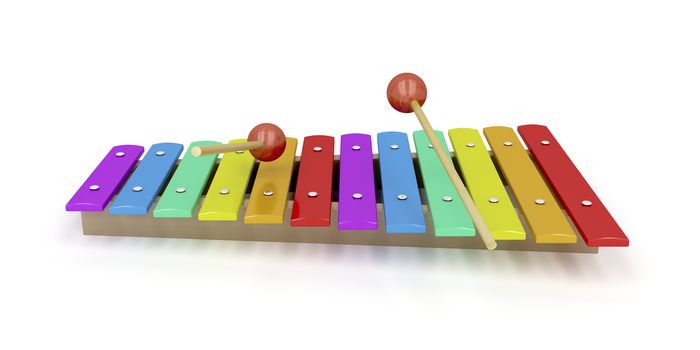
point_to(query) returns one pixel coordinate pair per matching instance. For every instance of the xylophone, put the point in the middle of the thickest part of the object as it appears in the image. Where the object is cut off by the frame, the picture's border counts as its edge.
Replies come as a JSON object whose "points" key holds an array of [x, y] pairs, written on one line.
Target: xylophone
{"points": [[523, 199]]}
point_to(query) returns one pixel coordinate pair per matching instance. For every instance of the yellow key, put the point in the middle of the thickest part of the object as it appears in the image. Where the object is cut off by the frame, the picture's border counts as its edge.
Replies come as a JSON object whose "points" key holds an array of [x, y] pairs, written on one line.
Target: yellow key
{"points": [[485, 185], [268, 199], [537, 203], [227, 189]]}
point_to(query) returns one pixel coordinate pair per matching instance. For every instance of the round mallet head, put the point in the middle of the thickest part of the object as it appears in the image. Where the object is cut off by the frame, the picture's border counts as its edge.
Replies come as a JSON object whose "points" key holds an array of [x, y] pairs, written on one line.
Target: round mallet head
{"points": [[273, 139], [405, 88]]}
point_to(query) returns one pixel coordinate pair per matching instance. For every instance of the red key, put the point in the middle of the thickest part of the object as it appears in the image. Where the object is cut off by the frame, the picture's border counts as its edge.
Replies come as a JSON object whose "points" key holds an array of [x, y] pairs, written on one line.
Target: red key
{"points": [[594, 222], [312, 198]]}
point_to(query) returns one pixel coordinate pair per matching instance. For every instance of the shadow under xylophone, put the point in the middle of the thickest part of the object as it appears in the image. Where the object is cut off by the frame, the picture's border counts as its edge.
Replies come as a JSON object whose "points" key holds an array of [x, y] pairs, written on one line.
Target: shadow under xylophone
{"points": [[533, 199]]}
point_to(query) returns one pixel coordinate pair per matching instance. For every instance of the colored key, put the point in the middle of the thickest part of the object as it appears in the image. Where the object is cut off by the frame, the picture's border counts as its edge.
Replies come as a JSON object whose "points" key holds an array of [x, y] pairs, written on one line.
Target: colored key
{"points": [[403, 211], [312, 198], [186, 186], [450, 218], [541, 210], [357, 204], [227, 190], [145, 183], [106, 179], [485, 185], [268, 199], [594, 222]]}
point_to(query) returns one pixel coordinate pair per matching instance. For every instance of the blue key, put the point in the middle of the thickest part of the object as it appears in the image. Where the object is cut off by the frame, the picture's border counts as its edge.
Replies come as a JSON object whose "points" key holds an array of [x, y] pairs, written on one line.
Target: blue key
{"points": [[139, 192], [403, 212]]}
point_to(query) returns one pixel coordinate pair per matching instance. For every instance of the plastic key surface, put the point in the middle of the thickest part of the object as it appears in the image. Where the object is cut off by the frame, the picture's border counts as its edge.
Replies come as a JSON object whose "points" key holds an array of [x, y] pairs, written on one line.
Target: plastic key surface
{"points": [[537, 203], [485, 186], [450, 217], [105, 180], [403, 211], [227, 190], [594, 222], [185, 188], [268, 199], [312, 197], [357, 203], [145, 183]]}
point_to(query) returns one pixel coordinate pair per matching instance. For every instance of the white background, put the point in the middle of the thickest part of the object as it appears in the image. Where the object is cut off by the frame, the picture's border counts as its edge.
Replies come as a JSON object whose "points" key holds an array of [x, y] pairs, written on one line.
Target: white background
{"points": [[616, 81]]}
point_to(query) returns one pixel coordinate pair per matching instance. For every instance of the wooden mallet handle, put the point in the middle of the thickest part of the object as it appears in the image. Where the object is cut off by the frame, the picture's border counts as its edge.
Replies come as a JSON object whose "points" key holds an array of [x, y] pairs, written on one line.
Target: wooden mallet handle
{"points": [[266, 142], [407, 93], [224, 148], [446, 161]]}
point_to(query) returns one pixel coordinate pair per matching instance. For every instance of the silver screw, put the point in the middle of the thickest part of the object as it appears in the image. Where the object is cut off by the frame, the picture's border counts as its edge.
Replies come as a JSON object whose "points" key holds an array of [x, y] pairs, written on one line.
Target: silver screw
{"points": [[402, 197], [312, 194], [470, 145], [318, 149], [224, 191], [508, 143], [545, 142], [239, 152], [160, 153], [430, 145], [120, 154], [180, 190], [394, 146], [94, 187], [493, 200], [356, 148], [357, 195], [137, 188], [446, 199], [268, 193], [539, 201], [586, 203]]}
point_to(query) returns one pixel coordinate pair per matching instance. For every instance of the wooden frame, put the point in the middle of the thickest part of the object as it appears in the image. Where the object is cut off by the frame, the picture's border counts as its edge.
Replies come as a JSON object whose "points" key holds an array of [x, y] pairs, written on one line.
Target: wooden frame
{"points": [[102, 223]]}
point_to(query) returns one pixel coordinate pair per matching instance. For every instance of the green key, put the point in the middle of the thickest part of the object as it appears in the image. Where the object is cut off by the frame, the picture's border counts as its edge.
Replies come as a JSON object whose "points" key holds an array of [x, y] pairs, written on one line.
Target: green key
{"points": [[450, 217], [185, 188]]}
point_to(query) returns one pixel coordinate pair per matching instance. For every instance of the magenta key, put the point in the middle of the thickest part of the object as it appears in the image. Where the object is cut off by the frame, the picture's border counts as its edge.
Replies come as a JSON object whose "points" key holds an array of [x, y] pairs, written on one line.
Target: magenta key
{"points": [[106, 179], [357, 204]]}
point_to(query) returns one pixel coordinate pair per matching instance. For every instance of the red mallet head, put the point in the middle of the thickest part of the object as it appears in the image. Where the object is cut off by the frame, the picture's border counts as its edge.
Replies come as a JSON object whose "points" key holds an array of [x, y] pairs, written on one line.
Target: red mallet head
{"points": [[273, 138], [405, 88]]}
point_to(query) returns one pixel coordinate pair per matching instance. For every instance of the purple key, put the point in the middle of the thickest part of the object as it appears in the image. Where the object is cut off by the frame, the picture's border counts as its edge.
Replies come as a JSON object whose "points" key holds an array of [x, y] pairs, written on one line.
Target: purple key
{"points": [[357, 205], [106, 179]]}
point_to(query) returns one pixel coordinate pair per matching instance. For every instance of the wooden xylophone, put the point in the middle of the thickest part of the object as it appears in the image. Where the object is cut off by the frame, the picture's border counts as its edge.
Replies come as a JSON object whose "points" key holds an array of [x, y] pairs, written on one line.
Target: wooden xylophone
{"points": [[530, 199]]}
